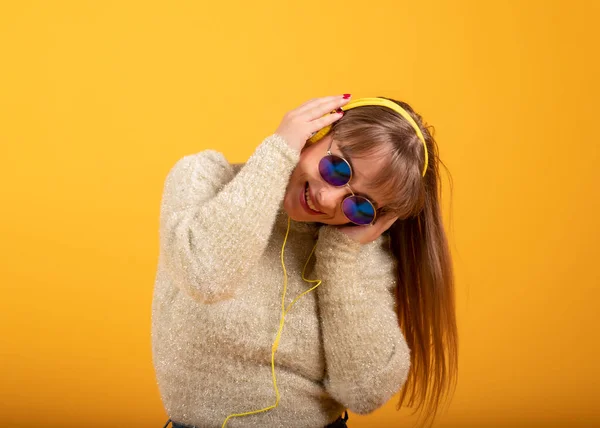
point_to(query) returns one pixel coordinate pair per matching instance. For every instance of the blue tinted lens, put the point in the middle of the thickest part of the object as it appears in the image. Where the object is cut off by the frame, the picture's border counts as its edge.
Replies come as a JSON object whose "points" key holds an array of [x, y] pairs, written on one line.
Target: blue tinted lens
{"points": [[359, 210], [335, 170]]}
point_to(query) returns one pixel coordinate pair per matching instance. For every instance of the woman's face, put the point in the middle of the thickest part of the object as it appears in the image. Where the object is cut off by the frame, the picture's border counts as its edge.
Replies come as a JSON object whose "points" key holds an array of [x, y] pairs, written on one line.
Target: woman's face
{"points": [[324, 197]]}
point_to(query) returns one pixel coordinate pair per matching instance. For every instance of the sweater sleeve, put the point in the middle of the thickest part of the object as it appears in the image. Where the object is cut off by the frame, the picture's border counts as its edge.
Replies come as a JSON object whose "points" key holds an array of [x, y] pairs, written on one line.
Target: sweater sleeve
{"points": [[214, 224], [367, 357]]}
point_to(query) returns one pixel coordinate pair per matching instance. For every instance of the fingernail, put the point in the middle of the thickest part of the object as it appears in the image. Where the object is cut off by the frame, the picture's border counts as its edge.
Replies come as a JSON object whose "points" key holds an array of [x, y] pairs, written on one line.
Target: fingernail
{"points": [[346, 96]]}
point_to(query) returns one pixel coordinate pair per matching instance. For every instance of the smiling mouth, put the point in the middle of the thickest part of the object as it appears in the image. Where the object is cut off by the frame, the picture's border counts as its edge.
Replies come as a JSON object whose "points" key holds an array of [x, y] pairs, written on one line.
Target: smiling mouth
{"points": [[309, 203]]}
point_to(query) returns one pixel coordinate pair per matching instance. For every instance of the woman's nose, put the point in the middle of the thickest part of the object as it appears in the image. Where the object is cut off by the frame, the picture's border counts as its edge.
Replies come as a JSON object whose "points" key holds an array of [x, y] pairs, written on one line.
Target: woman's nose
{"points": [[329, 198]]}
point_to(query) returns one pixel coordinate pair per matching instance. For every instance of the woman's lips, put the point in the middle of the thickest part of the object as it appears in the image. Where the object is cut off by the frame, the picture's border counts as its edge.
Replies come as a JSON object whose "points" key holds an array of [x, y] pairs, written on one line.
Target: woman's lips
{"points": [[304, 203]]}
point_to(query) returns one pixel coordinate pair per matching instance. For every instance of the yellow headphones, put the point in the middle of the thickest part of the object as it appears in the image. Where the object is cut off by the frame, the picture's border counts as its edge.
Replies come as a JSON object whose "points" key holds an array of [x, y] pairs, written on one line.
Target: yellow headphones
{"points": [[378, 102], [320, 134]]}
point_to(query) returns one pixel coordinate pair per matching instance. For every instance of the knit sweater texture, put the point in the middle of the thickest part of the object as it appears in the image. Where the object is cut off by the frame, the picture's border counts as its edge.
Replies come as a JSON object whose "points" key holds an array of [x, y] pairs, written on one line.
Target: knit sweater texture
{"points": [[216, 305]]}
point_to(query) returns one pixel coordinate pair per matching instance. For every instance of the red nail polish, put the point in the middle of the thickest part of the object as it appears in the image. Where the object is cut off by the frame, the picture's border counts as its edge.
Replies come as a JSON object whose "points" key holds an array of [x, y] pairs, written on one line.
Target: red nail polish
{"points": [[346, 96]]}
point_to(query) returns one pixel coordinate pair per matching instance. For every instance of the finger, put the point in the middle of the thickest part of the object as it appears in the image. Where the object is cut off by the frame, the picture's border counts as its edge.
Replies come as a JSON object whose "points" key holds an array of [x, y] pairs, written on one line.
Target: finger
{"points": [[323, 121], [314, 102], [305, 103], [322, 106], [302, 107]]}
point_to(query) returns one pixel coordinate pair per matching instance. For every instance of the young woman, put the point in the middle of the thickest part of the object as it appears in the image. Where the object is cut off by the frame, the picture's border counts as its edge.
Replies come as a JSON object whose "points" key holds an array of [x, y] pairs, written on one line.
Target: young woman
{"points": [[315, 278]]}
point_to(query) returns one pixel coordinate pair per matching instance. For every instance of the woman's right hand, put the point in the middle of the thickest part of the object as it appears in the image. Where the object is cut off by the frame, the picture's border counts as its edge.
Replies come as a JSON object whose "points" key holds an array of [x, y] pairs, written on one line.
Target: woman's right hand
{"points": [[298, 125]]}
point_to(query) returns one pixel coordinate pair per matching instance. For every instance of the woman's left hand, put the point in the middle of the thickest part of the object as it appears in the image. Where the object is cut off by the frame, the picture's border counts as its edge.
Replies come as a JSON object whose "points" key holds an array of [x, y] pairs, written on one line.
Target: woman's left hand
{"points": [[366, 234]]}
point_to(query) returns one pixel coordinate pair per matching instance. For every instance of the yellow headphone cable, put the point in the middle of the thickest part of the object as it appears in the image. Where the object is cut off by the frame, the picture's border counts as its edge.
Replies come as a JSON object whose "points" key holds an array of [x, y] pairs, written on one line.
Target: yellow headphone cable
{"points": [[283, 314]]}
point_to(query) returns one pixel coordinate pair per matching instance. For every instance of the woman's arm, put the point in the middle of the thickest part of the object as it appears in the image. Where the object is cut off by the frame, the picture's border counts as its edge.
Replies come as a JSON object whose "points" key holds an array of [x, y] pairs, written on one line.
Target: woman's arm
{"points": [[214, 226], [367, 357]]}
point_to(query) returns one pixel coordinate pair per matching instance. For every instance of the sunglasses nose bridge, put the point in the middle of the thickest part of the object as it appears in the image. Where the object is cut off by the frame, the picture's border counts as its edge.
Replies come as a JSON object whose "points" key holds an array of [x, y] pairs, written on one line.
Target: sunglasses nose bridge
{"points": [[330, 197]]}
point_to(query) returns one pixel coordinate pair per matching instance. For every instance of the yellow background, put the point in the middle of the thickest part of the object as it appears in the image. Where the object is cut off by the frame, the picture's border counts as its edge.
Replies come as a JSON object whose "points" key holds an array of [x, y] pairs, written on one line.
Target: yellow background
{"points": [[99, 99]]}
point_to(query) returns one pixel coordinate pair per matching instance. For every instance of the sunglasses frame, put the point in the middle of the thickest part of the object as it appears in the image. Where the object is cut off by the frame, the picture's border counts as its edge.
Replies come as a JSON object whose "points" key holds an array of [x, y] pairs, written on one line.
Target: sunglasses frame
{"points": [[374, 205]]}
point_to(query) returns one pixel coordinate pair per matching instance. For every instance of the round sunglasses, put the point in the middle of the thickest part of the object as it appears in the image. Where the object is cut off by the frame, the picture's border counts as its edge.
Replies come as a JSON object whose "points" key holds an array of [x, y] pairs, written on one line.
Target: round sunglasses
{"points": [[336, 171]]}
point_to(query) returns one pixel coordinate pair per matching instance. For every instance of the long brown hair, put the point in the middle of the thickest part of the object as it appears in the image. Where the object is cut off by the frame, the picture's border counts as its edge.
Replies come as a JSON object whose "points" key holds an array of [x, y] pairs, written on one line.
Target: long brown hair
{"points": [[425, 287]]}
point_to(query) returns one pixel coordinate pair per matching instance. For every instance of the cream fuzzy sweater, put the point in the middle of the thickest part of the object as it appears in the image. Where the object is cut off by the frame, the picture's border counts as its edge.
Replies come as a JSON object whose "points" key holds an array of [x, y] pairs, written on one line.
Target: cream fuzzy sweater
{"points": [[217, 302]]}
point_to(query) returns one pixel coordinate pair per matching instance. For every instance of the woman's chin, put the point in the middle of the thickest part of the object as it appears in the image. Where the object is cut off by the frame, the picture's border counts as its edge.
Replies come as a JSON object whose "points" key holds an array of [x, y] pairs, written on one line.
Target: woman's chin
{"points": [[291, 211], [294, 215]]}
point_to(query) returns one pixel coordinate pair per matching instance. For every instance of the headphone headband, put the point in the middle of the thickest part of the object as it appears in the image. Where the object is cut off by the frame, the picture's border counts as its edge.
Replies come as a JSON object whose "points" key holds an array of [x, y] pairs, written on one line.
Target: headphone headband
{"points": [[385, 103]]}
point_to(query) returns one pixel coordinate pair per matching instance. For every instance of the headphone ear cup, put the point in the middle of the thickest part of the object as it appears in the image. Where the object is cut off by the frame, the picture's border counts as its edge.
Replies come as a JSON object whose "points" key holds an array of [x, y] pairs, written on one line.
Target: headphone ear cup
{"points": [[319, 135]]}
